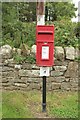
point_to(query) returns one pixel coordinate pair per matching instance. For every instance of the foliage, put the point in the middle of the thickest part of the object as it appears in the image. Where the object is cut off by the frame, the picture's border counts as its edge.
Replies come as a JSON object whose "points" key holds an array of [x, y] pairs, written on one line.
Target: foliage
{"points": [[31, 59], [27, 11], [14, 31], [58, 10], [18, 23], [20, 59], [20, 33], [64, 33], [77, 59], [77, 30], [59, 104], [29, 38]]}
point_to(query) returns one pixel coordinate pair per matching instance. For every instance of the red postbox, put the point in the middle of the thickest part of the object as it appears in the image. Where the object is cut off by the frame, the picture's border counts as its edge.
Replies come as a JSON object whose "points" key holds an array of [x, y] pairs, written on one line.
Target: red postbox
{"points": [[45, 45]]}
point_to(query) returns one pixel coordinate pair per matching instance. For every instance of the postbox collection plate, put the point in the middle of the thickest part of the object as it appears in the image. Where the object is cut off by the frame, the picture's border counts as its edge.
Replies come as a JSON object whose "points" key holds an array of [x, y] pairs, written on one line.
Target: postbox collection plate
{"points": [[45, 53]]}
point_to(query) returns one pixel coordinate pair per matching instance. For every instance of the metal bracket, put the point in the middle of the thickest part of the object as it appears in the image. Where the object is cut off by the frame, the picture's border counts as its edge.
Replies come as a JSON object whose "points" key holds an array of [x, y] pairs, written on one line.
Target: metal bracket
{"points": [[44, 71]]}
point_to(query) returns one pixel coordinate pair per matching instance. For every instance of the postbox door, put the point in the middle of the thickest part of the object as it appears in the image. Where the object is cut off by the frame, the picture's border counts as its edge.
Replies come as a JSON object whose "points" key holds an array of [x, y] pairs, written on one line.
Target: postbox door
{"points": [[45, 54]]}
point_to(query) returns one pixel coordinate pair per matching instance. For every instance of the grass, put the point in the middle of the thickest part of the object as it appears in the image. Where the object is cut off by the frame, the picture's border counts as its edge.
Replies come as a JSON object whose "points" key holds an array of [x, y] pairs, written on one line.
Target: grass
{"points": [[0, 105], [65, 105], [14, 105], [27, 104]]}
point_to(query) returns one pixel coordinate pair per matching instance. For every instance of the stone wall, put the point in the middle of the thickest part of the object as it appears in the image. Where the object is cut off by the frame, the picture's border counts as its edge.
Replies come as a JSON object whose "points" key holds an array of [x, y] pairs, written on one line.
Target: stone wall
{"points": [[25, 76]]}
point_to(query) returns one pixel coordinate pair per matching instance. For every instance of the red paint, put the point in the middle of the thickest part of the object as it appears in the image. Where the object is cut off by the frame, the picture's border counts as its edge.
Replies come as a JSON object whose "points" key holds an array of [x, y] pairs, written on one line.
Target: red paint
{"points": [[44, 39]]}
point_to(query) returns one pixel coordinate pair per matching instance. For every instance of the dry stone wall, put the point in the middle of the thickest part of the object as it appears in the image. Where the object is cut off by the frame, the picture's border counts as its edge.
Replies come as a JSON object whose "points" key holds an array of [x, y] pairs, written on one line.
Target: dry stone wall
{"points": [[25, 76]]}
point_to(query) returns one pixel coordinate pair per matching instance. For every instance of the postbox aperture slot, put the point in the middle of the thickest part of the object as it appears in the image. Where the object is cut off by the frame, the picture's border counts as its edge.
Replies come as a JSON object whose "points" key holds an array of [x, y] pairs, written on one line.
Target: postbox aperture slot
{"points": [[45, 32]]}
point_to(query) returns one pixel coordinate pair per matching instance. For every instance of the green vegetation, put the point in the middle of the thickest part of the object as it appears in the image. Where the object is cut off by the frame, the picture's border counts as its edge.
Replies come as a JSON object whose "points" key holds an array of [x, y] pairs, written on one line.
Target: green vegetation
{"points": [[19, 23], [14, 106], [20, 33], [19, 104], [77, 59], [65, 105], [26, 11], [58, 10], [0, 104], [64, 33], [20, 59]]}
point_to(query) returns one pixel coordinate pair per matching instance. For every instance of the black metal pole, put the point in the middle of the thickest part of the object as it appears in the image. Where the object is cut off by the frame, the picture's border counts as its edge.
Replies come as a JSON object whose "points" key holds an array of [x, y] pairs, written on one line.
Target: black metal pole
{"points": [[44, 95]]}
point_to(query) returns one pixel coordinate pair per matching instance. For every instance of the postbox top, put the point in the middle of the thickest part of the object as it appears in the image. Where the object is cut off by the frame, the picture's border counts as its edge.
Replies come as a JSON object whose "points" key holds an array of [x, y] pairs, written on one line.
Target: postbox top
{"points": [[45, 27], [45, 33]]}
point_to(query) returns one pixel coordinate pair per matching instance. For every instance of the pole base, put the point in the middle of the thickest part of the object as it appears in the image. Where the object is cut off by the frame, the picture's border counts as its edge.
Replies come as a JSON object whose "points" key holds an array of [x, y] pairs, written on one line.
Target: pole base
{"points": [[44, 107]]}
